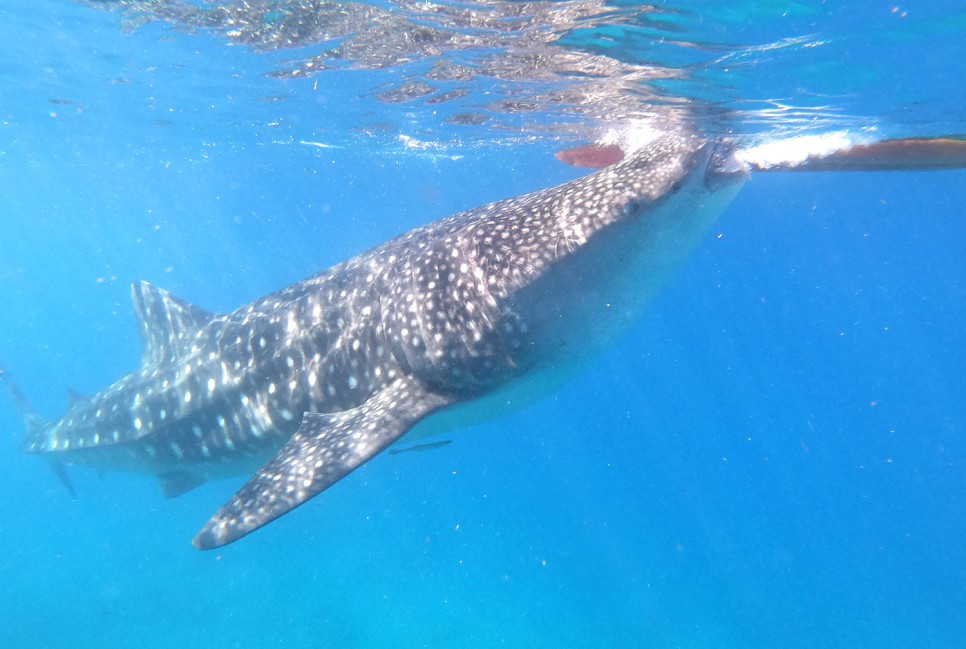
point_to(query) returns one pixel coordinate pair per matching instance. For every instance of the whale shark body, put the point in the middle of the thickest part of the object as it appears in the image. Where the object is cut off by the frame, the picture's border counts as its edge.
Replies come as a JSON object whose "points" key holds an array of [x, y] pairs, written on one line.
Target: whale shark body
{"points": [[437, 328]]}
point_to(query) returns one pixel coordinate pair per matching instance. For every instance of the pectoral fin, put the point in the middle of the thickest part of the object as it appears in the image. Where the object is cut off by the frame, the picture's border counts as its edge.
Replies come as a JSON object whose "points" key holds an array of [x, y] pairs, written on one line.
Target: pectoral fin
{"points": [[178, 482], [325, 449], [61, 472]]}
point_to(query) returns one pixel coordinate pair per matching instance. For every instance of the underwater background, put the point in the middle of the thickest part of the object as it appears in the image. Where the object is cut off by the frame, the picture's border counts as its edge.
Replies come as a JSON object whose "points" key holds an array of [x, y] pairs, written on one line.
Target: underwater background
{"points": [[773, 457]]}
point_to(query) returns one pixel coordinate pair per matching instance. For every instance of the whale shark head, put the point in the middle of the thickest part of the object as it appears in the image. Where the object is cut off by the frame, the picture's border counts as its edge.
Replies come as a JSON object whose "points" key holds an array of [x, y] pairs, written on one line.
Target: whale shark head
{"points": [[611, 240]]}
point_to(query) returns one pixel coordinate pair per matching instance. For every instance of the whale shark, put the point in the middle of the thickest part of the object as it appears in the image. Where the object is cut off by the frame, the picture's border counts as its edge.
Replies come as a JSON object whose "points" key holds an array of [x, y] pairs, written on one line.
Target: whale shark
{"points": [[436, 329]]}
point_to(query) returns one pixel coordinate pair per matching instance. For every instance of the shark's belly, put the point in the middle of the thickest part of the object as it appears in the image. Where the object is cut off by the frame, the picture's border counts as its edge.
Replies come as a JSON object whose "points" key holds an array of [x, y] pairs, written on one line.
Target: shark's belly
{"points": [[586, 301]]}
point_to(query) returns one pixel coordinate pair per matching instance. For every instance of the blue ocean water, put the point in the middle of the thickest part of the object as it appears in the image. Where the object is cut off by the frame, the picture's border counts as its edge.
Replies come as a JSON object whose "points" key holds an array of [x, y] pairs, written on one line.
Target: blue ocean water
{"points": [[773, 457]]}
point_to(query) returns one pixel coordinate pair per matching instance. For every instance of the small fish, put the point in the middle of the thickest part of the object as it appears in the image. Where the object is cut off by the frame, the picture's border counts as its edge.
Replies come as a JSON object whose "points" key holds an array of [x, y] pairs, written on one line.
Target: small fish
{"points": [[419, 448]]}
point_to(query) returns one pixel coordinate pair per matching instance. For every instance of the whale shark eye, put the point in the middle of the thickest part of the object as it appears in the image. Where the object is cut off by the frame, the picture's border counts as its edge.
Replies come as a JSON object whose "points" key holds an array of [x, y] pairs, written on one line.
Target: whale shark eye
{"points": [[676, 186]]}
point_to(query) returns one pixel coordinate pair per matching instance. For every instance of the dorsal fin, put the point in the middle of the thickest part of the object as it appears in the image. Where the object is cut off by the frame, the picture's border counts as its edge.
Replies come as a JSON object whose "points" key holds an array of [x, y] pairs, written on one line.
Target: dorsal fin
{"points": [[75, 398], [168, 325]]}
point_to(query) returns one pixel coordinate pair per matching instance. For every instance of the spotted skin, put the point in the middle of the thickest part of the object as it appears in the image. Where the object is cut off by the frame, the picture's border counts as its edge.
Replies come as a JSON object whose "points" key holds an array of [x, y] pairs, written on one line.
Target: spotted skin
{"points": [[325, 448], [444, 325]]}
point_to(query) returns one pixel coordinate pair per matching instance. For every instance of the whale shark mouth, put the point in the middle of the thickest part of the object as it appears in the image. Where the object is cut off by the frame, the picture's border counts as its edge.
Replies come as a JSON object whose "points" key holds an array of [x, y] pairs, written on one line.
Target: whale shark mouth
{"points": [[725, 166]]}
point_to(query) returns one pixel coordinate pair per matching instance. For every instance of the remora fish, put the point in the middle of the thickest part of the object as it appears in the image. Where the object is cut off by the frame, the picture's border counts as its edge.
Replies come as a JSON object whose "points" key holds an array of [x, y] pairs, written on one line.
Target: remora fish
{"points": [[446, 323], [419, 448]]}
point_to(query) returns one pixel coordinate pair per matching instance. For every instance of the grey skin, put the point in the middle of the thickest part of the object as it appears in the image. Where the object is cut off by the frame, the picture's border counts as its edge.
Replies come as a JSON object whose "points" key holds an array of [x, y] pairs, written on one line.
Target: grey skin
{"points": [[440, 327]]}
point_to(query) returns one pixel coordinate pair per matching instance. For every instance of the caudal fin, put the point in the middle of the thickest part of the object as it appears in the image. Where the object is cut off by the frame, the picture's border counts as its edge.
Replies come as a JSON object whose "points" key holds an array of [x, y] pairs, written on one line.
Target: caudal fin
{"points": [[35, 425]]}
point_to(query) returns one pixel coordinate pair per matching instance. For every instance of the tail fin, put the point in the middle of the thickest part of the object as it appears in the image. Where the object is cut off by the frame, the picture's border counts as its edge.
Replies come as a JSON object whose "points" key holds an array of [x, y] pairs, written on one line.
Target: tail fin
{"points": [[35, 425]]}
